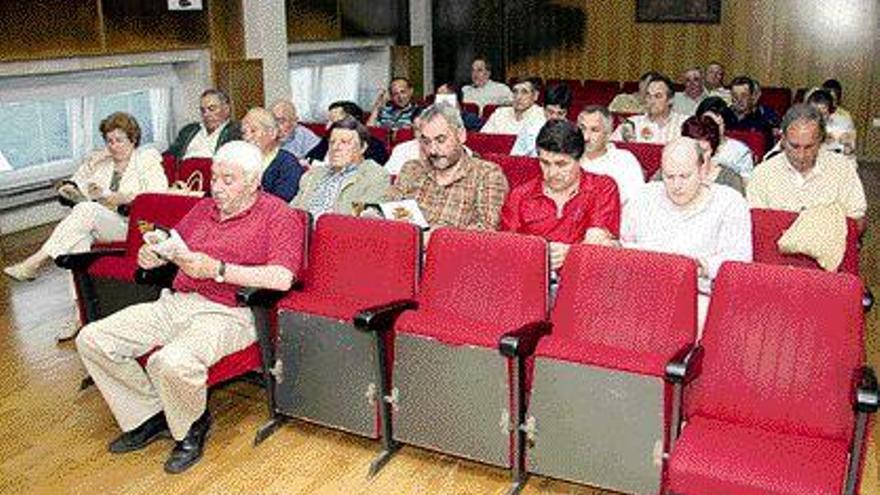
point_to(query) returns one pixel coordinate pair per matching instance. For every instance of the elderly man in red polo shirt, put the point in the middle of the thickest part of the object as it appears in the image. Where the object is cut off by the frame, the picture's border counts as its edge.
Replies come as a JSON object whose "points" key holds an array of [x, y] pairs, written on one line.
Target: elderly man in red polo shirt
{"points": [[238, 237], [566, 205]]}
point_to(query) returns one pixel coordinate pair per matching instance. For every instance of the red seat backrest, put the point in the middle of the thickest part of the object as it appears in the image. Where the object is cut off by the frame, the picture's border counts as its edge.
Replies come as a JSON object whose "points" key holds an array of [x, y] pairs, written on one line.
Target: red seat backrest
{"points": [[649, 155], [162, 209], [191, 166], [402, 135], [637, 301], [769, 225], [484, 143], [619, 117], [495, 278], [751, 138], [781, 347], [169, 165], [629, 87], [471, 108], [489, 110], [382, 134], [363, 259], [517, 169], [779, 99], [602, 85]]}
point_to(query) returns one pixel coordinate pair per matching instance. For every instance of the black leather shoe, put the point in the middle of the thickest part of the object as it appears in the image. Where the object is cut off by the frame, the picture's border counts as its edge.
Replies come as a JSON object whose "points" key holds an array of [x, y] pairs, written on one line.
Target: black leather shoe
{"points": [[188, 451], [140, 437]]}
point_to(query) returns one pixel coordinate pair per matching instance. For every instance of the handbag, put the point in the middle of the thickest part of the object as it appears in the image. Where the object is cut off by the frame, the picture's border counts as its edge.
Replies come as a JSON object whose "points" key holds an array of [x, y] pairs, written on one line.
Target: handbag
{"points": [[193, 186]]}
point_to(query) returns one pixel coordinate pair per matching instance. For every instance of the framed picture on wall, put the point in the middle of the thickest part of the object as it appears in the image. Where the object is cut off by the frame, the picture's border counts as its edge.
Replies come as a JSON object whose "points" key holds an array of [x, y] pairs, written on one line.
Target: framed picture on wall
{"points": [[705, 11]]}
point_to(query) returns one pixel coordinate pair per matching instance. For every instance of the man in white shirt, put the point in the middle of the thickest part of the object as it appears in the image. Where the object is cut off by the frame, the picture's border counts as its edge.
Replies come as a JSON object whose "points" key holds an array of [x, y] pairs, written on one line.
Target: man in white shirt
{"points": [[524, 113], [603, 158], [203, 139], [484, 91], [660, 124], [685, 102], [714, 81], [557, 100]]}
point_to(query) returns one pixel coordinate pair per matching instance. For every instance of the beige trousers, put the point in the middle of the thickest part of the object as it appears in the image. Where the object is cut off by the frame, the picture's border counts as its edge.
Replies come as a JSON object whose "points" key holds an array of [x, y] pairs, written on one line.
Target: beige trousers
{"points": [[194, 332], [87, 222]]}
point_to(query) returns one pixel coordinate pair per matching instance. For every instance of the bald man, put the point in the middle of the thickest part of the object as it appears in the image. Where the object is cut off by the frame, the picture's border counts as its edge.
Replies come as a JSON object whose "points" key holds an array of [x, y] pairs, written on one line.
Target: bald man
{"points": [[296, 139]]}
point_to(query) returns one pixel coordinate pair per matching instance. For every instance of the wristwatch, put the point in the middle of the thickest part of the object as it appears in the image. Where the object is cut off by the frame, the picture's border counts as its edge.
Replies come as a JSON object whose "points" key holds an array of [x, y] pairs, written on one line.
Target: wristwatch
{"points": [[221, 273]]}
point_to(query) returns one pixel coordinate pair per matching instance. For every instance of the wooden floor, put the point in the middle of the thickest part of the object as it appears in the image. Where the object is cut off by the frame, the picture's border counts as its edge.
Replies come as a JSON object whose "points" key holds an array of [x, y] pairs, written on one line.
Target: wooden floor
{"points": [[53, 438]]}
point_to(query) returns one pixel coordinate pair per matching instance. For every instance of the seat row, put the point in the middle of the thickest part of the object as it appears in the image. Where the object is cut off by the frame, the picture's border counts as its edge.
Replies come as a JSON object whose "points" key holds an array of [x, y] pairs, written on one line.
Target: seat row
{"points": [[608, 388]]}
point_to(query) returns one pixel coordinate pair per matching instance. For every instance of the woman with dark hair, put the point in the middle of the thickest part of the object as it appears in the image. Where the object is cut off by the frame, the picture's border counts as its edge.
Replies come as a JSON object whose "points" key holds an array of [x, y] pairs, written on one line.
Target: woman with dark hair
{"points": [[707, 132], [731, 153], [107, 179]]}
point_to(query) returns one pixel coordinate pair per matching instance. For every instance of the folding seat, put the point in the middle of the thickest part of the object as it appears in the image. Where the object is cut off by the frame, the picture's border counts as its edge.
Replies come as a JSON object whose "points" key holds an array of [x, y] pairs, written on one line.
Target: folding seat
{"points": [[488, 110], [196, 167], [600, 405], [402, 135], [483, 143], [450, 386], [382, 134], [629, 87], [648, 154], [768, 227], [602, 85], [470, 108], [753, 139], [777, 98], [517, 169], [326, 371], [105, 276], [251, 358], [781, 405], [169, 165], [619, 117]]}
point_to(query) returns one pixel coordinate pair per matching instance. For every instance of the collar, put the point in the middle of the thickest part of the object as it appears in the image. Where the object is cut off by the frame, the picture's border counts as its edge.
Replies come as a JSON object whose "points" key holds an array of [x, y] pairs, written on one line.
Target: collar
{"points": [[218, 129], [537, 190], [687, 213], [817, 170]]}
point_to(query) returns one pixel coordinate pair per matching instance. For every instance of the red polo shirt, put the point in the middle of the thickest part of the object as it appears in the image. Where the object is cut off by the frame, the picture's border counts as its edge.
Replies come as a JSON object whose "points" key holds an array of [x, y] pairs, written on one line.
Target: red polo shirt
{"points": [[267, 233], [596, 204]]}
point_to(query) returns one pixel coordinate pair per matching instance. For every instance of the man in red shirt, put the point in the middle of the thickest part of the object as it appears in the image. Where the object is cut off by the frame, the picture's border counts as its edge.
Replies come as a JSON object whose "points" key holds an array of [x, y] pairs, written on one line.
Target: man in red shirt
{"points": [[238, 237], [566, 205]]}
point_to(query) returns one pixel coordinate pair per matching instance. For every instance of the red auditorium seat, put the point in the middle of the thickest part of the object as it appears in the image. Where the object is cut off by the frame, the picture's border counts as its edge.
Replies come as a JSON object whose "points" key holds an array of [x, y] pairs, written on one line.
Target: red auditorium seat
{"points": [[354, 263], [629, 87], [196, 166], [451, 387], [779, 99], [105, 277], [753, 139], [484, 143], [619, 117], [471, 108], [600, 401], [169, 165], [772, 411], [250, 358], [382, 134], [517, 169], [402, 135], [769, 225], [648, 154], [489, 110]]}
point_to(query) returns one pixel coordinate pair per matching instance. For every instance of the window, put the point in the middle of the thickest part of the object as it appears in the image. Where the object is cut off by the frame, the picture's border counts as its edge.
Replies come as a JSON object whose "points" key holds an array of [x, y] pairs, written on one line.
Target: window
{"points": [[48, 123], [315, 88]]}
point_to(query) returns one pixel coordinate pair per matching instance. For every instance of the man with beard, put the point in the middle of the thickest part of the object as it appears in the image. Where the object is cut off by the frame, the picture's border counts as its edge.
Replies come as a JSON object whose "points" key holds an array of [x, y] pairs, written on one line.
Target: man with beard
{"points": [[565, 205], [451, 188]]}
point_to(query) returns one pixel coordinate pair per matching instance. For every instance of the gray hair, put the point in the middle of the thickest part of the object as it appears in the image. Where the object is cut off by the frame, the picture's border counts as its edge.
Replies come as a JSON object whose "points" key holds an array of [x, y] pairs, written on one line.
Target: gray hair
{"points": [[245, 155], [287, 107], [804, 112], [262, 117], [220, 94], [684, 142], [445, 110], [607, 120]]}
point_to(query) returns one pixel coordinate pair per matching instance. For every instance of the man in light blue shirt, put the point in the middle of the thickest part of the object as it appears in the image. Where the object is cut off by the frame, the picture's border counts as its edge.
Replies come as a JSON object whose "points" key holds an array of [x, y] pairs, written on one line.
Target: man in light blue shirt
{"points": [[294, 138]]}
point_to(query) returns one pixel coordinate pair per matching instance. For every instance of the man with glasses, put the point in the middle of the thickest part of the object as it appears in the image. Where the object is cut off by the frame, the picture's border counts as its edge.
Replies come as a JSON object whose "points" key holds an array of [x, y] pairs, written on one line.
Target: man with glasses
{"points": [[525, 112]]}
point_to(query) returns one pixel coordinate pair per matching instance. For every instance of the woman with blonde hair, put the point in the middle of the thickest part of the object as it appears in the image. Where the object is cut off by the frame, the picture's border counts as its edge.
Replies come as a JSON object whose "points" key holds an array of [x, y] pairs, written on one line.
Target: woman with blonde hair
{"points": [[107, 179]]}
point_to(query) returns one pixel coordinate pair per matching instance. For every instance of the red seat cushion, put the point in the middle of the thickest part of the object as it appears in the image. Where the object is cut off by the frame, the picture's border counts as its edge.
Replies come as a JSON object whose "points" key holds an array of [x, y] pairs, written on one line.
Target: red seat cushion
{"points": [[718, 458], [231, 366]]}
